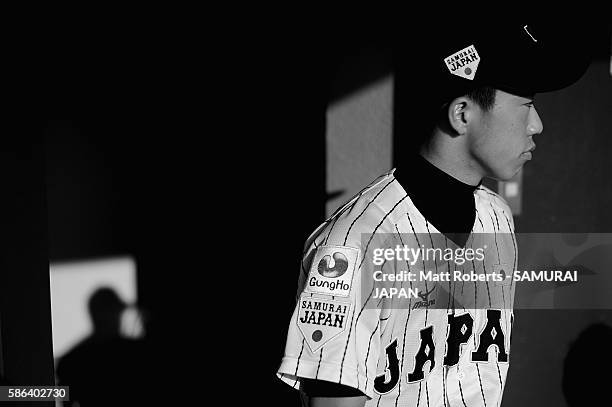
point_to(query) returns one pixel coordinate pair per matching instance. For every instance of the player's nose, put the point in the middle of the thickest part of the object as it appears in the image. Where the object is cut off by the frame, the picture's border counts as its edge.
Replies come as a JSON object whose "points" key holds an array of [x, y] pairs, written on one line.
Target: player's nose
{"points": [[534, 126]]}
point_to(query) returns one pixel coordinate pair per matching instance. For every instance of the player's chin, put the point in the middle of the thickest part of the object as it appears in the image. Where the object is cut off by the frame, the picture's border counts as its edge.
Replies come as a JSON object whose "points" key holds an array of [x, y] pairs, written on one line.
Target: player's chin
{"points": [[506, 173]]}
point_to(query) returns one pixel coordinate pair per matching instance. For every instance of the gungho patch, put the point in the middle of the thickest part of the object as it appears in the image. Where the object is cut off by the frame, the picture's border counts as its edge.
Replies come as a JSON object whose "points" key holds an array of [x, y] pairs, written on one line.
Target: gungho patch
{"points": [[332, 269]]}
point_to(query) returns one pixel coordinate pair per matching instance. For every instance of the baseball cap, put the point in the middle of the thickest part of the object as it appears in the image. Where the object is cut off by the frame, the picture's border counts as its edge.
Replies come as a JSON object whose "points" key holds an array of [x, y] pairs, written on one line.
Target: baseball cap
{"points": [[518, 57]]}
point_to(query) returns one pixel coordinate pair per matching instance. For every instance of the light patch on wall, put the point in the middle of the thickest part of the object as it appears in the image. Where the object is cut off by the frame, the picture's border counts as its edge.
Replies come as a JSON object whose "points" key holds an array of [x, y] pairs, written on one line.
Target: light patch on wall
{"points": [[73, 283], [512, 192], [359, 140], [512, 189]]}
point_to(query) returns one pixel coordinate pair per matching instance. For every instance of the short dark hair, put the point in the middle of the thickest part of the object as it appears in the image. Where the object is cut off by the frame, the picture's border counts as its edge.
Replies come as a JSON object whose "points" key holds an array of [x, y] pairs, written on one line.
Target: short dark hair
{"points": [[483, 96], [431, 111]]}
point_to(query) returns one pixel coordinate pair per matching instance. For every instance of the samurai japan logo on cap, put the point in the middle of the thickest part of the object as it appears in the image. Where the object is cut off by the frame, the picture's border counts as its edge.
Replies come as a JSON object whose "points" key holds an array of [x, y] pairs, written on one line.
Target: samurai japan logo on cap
{"points": [[463, 63]]}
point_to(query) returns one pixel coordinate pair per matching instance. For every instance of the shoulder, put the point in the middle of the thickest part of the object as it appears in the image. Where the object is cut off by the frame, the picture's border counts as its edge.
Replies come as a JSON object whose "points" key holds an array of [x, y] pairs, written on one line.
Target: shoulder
{"points": [[488, 197], [371, 210], [487, 200]]}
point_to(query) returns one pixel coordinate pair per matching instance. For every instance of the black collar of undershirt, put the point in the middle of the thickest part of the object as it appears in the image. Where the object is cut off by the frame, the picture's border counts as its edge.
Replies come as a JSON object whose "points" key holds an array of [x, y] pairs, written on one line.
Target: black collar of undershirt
{"points": [[443, 200]]}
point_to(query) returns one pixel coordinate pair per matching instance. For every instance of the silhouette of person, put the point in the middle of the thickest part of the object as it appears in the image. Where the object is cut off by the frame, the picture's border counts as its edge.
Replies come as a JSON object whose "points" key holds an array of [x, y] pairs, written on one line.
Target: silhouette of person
{"points": [[105, 368], [586, 369]]}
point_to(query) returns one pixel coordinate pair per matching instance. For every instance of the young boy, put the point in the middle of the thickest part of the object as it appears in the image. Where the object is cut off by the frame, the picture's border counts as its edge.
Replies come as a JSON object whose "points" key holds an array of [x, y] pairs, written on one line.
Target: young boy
{"points": [[351, 343]]}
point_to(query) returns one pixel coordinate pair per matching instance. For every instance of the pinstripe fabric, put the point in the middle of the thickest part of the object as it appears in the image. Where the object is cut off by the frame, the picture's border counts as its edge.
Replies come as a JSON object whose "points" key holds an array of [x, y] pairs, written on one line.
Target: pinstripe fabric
{"points": [[364, 351]]}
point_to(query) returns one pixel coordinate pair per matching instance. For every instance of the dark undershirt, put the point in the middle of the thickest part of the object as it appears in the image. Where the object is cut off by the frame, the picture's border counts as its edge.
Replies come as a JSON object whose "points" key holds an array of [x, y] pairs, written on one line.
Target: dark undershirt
{"points": [[443, 200], [446, 203]]}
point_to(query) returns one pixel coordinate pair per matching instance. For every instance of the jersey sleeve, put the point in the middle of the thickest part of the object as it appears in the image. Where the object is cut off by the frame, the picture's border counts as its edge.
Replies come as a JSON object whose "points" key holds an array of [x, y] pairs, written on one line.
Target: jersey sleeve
{"points": [[334, 332]]}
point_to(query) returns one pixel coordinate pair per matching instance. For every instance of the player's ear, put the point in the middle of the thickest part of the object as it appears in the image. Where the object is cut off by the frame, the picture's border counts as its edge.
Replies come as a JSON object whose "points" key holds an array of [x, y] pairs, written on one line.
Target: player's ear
{"points": [[460, 112]]}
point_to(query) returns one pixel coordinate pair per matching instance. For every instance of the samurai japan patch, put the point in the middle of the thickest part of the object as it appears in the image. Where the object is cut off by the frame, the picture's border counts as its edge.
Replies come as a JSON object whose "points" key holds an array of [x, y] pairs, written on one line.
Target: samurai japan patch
{"points": [[321, 320]]}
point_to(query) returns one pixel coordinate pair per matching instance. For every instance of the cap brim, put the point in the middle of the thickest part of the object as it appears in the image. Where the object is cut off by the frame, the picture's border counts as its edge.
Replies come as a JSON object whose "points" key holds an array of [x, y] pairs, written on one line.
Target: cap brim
{"points": [[551, 66]]}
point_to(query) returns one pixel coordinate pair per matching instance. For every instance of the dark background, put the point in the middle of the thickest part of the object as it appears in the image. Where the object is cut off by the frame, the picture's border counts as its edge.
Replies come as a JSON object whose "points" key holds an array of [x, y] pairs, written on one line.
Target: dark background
{"points": [[205, 160]]}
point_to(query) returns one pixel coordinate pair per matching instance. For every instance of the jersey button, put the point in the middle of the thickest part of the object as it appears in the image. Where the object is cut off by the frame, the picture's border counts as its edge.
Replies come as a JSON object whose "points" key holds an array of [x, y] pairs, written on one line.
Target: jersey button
{"points": [[460, 375]]}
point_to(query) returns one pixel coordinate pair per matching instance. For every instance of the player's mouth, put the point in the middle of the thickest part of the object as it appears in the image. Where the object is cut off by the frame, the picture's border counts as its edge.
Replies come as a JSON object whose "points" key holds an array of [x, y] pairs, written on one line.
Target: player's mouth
{"points": [[527, 154]]}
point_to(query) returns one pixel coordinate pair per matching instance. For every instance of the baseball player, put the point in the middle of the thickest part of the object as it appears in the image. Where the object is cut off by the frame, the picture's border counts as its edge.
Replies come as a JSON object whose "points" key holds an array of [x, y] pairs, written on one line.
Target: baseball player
{"points": [[352, 343]]}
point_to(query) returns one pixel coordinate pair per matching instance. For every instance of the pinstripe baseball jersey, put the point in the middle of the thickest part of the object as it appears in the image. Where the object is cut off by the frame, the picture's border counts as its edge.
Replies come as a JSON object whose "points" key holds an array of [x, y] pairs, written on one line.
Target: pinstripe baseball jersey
{"points": [[448, 346]]}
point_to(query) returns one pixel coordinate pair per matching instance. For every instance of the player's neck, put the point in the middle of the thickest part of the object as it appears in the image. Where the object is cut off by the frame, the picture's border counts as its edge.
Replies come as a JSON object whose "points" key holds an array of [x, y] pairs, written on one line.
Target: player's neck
{"points": [[446, 155]]}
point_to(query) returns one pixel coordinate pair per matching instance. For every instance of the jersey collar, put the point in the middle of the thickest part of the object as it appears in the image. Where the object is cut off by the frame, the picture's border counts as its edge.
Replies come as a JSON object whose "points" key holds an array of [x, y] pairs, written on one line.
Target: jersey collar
{"points": [[444, 201]]}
